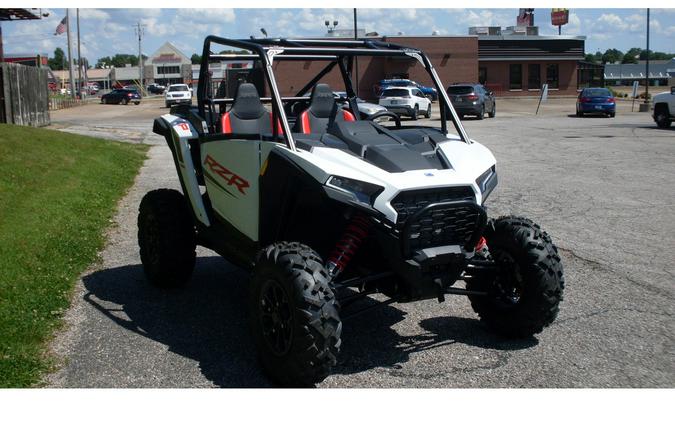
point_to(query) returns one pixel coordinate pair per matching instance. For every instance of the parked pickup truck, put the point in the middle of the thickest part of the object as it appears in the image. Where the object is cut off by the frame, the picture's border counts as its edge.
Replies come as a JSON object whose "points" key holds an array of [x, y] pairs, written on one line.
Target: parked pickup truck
{"points": [[664, 108]]}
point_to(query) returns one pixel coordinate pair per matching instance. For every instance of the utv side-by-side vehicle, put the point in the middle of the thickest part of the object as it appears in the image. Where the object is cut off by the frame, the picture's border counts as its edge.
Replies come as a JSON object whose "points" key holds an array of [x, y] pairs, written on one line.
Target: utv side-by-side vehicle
{"points": [[326, 207]]}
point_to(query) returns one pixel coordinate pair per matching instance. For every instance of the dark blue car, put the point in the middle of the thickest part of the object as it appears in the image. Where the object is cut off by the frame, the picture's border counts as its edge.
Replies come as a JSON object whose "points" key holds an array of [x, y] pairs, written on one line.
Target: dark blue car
{"points": [[596, 101]]}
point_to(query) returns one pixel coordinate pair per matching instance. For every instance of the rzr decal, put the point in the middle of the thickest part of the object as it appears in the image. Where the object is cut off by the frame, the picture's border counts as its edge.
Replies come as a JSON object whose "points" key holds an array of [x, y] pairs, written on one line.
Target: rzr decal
{"points": [[227, 175]]}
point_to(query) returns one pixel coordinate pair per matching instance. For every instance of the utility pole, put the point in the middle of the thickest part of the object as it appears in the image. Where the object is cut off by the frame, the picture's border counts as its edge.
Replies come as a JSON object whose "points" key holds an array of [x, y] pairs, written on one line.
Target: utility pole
{"points": [[79, 57], [647, 63], [70, 57], [139, 32], [356, 59]]}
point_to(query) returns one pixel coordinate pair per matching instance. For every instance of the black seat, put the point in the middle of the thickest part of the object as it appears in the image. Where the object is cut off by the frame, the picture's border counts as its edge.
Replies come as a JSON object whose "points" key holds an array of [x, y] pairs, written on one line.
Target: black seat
{"points": [[247, 116], [322, 111]]}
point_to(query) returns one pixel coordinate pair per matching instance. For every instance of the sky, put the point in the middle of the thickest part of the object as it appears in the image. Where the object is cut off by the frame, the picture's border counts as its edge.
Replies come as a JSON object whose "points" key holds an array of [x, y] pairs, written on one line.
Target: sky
{"points": [[105, 32]]}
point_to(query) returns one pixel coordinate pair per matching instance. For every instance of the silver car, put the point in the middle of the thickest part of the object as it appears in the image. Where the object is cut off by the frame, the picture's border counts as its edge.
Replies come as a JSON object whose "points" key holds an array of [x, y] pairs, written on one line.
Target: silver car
{"points": [[365, 107]]}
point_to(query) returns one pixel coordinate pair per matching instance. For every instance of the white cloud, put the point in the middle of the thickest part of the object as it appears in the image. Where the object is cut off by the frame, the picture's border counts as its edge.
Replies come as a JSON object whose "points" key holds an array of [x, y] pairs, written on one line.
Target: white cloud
{"points": [[204, 16], [95, 14]]}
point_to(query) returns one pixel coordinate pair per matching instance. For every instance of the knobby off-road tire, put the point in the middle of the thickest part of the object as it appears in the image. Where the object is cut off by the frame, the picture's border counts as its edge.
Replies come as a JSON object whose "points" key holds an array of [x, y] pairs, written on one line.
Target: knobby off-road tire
{"points": [[529, 261], [166, 236], [294, 315]]}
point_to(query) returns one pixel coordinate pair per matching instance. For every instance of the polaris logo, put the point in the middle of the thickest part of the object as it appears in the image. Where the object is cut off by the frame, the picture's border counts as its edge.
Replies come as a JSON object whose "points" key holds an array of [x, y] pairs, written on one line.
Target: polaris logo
{"points": [[230, 177], [428, 174]]}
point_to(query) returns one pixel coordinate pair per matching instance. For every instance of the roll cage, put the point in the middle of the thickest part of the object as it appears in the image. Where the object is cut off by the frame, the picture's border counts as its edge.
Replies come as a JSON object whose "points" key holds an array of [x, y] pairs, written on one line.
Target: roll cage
{"points": [[340, 53]]}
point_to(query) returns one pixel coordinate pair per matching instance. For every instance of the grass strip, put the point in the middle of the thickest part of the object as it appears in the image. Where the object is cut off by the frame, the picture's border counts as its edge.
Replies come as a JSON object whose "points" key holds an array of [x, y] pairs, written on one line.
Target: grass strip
{"points": [[58, 194]]}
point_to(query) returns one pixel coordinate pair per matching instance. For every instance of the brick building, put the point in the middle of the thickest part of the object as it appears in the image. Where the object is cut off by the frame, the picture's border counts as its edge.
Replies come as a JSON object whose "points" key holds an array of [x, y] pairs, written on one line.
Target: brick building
{"points": [[518, 65], [454, 57]]}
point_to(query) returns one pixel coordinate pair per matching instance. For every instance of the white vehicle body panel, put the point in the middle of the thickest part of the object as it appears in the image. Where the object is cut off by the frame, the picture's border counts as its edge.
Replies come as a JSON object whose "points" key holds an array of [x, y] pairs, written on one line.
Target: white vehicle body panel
{"points": [[231, 170], [667, 98], [467, 162], [181, 132]]}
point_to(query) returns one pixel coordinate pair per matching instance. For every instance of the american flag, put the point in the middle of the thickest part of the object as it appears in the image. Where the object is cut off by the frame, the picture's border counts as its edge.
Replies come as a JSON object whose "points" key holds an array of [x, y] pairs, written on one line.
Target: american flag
{"points": [[62, 26]]}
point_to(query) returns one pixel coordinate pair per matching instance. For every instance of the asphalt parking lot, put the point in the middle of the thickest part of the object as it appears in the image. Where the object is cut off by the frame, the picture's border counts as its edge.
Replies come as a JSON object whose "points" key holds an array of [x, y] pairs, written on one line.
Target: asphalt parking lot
{"points": [[601, 187]]}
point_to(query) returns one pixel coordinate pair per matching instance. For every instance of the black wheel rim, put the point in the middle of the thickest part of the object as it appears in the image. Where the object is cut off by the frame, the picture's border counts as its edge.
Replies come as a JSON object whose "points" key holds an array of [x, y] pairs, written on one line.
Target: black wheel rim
{"points": [[509, 281], [276, 317]]}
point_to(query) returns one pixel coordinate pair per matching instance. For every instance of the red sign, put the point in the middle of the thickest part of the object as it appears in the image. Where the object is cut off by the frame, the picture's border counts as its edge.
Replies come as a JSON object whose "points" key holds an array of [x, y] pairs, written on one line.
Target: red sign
{"points": [[560, 17]]}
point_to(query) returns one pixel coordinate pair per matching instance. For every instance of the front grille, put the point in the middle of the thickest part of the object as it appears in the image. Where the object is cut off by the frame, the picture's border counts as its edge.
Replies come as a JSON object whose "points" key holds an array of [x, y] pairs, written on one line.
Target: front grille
{"points": [[451, 224]]}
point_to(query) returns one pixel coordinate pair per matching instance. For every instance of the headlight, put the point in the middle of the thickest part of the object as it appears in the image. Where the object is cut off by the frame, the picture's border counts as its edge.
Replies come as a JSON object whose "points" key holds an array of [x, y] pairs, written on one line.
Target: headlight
{"points": [[487, 182], [359, 191]]}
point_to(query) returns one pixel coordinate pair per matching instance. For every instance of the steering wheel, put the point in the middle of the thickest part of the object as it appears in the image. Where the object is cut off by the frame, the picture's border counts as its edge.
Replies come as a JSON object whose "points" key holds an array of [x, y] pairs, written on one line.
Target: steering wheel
{"points": [[382, 113]]}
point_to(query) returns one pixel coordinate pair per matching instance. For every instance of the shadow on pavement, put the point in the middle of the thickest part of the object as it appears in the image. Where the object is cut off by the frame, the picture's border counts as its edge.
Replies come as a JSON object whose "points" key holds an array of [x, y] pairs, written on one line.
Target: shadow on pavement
{"points": [[207, 321], [369, 341]]}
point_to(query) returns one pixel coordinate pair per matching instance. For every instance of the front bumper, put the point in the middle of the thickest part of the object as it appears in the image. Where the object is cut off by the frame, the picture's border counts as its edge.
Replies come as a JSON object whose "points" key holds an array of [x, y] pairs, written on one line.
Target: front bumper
{"points": [[178, 100], [430, 248]]}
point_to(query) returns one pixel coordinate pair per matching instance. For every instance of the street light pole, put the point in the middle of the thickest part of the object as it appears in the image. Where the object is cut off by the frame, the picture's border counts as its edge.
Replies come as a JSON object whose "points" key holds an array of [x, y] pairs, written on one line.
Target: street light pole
{"points": [[70, 57], [647, 67], [356, 59], [79, 56]]}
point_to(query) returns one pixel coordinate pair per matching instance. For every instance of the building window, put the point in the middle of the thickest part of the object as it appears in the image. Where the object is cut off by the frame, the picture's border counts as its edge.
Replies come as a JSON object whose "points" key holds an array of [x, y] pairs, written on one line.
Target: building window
{"points": [[516, 76], [482, 75], [165, 70], [552, 76], [533, 76]]}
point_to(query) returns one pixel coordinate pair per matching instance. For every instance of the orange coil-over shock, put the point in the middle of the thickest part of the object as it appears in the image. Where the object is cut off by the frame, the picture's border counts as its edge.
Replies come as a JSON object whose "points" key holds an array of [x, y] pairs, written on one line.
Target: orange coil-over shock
{"points": [[349, 243]]}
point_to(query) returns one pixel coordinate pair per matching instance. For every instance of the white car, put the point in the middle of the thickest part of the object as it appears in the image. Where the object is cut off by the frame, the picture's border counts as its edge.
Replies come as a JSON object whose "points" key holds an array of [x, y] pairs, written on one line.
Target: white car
{"points": [[177, 93], [664, 108], [406, 100]]}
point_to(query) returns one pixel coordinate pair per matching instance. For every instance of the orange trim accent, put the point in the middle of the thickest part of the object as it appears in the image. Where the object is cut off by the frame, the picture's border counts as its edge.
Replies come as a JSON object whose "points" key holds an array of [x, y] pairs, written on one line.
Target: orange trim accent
{"points": [[348, 116], [225, 123], [280, 129], [304, 122]]}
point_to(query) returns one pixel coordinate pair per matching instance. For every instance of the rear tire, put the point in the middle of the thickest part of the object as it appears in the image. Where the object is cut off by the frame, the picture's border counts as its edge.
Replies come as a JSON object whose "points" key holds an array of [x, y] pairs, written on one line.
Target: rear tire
{"points": [[166, 236], [662, 118], [294, 315], [525, 296], [428, 113], [481, 113], [493, 112], [415, 112]]}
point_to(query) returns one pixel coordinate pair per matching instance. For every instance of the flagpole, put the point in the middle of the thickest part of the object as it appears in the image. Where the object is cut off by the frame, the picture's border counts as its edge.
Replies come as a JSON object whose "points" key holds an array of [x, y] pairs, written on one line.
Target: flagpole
{"points": [[79, 57], [70, 57]]}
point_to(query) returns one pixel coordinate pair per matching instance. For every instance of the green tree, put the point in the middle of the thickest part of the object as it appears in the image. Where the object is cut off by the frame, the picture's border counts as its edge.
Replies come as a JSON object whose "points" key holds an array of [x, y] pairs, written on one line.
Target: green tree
{"points": [[628, 59], [196, 58], [119, 60], [590, 58], [612, 55], [58, 61], [632, 52]]}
